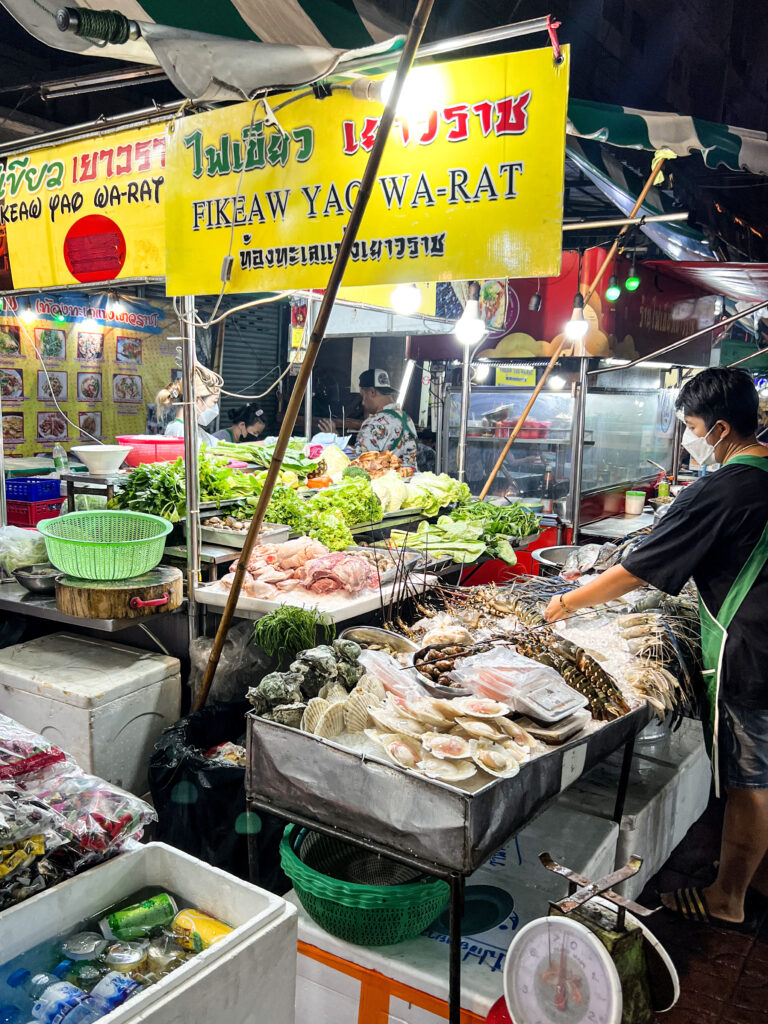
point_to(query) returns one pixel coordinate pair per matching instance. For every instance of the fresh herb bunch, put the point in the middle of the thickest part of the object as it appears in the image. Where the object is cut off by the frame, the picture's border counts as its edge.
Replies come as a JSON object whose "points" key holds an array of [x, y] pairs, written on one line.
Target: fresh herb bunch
{"points": [[513, 520], [261, 455], [286, 631]]}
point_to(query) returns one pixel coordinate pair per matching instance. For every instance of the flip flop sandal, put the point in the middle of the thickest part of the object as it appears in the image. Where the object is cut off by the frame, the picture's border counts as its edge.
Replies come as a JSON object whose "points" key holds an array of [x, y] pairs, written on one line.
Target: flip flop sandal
{"points": [[691, 904]]}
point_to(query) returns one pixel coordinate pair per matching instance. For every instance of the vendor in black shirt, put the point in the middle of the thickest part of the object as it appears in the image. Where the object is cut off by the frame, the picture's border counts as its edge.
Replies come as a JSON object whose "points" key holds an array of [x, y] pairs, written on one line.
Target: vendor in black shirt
{"points": [[716, 531]]}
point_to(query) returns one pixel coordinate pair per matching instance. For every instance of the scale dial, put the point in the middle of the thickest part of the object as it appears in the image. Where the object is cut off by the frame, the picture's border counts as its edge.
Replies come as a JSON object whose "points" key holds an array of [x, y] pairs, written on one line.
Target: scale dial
{"points": [[558, 972]]}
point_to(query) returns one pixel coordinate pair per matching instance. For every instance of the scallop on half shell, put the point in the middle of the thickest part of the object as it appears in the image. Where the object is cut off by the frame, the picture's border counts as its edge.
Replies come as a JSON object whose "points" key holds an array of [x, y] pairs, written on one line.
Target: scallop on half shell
{"points": [[311, 716], [447, 771], [390, 721], [446, 745], [356, 715], [516, 732], [333, 693], [425, 710], [331, 722], [480, 729], [404, 750], [494, 759], [370, 684], [477, 707]]}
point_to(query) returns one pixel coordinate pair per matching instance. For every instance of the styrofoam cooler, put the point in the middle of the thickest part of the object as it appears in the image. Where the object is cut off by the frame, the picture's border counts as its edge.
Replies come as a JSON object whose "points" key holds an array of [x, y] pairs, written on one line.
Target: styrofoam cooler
{"points": [[408, 982], [102, 702], [668, 791], [248, 975]]}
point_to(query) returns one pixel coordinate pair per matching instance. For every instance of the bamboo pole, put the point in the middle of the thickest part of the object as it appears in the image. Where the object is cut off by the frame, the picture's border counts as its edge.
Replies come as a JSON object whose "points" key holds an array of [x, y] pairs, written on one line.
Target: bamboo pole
{"points": [[415, 32], [558, 351]]}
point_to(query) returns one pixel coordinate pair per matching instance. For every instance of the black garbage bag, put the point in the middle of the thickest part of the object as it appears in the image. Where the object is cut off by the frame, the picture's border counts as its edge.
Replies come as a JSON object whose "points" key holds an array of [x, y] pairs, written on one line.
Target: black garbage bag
{"points": [[200, 802]]}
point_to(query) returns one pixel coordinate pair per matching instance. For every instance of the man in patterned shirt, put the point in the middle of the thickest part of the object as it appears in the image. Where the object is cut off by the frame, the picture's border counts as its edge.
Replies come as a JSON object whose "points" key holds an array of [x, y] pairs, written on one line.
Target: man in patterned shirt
{"points": [[386, 428]]}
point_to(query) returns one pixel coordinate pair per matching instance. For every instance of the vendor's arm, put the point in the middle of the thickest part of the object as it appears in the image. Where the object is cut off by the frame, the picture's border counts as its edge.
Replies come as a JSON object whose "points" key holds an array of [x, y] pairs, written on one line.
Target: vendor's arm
{"points": [[611, 584]]}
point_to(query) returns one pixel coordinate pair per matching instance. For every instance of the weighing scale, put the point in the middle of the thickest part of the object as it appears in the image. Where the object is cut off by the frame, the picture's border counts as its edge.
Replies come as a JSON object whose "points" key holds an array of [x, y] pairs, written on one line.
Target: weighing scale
{"points": [[591, 960]]}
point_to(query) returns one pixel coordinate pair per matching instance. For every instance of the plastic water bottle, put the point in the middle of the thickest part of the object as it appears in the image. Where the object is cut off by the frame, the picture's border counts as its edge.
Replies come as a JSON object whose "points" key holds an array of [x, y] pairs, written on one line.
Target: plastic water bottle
{"points": [[60, 459], [54, 1001], [112, 991]]}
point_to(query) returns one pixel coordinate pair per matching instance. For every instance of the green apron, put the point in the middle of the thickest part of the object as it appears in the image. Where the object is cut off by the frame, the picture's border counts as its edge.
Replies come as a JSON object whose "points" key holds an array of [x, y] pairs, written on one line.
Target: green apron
{"points": [[714, 631], [402, 419]]}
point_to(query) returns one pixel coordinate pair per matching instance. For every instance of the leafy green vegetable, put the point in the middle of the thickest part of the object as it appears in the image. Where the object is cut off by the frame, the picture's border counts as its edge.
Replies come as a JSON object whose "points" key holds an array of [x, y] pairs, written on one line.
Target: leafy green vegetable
{"points": [[286, 631], [261, 455], [431, 492], [391, 490], [352, 471], [444, 539], [353, 501], [511, 520], [328, 528]]}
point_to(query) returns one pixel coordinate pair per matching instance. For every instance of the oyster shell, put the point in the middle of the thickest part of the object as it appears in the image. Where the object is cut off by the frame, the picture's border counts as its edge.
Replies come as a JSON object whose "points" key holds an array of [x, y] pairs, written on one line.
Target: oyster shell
{"points": [[288, 714], [446, 745], [493, 759], [404, 750], [347, 650], [333, 693], [356, 711], [258, 700], [280, 688], [331, 722], [315, 708], [349, 674], [477, 707], [447, 771], [390, 721], [480, 729]]}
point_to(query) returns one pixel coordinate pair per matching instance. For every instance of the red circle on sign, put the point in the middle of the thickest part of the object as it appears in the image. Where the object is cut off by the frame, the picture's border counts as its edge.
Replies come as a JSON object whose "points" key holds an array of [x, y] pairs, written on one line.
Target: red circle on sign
{"points": [[94, 249]]}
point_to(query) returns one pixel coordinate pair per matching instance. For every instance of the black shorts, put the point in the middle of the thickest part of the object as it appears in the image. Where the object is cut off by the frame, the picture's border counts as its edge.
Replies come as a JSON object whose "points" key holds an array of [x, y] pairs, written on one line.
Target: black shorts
{"points": [[742, 746]]}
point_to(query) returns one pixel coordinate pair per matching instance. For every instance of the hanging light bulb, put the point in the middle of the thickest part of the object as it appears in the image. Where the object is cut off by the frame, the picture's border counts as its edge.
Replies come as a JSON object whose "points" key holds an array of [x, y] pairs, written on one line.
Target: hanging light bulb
{"points": [[633, 281], [480, 372], [470, 328], [28, 314], [577, 326], [613, 291], [556, 382], [405, 299]]}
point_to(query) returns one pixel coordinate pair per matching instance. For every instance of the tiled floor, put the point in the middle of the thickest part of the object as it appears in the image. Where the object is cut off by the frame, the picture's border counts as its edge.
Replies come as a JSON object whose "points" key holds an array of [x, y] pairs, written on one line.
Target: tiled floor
{"points": [[723, 974]]}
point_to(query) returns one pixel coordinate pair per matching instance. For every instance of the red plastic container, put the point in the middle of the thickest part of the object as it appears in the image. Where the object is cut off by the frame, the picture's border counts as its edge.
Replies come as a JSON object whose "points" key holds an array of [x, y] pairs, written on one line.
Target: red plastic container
{"points": [[151, 448], [30, 513]]}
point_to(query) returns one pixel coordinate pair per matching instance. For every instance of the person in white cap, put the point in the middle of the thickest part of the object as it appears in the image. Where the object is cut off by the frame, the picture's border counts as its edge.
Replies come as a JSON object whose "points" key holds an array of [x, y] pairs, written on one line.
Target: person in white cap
{"points": [[386, 427]]}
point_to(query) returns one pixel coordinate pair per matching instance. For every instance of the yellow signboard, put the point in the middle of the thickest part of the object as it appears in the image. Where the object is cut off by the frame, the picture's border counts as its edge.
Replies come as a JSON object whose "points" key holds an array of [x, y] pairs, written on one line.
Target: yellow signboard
{"points": [[470, 186], [519, 378], [91, 210]]}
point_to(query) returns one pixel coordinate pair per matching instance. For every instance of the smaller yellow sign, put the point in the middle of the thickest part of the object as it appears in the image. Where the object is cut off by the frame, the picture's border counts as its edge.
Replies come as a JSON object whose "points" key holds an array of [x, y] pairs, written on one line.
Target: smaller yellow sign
{"points": [[524, 377]]}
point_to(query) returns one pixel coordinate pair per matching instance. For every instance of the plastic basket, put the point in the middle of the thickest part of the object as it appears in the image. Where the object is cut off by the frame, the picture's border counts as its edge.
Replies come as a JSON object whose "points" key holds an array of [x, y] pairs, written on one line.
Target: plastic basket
{"points": [[105, 545], [33, 488], [151, 448], [30, 513], [356, 895]]}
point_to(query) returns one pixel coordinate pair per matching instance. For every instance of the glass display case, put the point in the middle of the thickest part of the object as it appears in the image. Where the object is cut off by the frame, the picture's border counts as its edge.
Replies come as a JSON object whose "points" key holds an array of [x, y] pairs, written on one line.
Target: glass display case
{"points": [[544, 441]]}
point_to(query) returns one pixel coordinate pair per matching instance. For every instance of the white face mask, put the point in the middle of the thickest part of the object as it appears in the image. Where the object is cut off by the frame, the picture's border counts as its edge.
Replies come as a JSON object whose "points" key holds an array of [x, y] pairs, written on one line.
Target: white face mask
{"points": [[208, 415], [699, 448]]}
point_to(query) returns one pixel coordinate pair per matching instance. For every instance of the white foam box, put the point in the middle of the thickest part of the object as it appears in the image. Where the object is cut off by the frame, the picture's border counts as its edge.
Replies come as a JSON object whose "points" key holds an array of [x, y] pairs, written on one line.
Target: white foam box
{"points": [[248, 975], [668, 791], [102, 702], [339, 983]]}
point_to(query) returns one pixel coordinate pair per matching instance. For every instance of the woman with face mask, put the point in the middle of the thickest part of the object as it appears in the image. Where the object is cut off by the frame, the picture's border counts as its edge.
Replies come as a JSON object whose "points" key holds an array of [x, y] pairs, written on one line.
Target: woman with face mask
{"points": [[207, 388], [716, 531], [247, 425]]}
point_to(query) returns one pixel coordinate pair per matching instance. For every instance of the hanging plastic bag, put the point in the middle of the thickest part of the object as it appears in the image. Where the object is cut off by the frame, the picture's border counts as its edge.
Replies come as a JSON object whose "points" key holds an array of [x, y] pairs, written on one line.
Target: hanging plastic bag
{"points": [[20, 547]]}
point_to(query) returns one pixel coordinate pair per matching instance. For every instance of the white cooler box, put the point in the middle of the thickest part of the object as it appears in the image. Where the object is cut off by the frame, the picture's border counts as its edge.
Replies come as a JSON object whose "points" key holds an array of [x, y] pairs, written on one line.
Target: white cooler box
{"points": [[102, 702], [338, 983], [248, 976]]}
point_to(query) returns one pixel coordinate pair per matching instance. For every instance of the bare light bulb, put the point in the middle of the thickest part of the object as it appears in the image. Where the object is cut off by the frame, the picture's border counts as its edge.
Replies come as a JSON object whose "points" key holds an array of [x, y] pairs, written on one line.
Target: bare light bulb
{"points": [[470, 328], [422, 93], [28, 315], [557, 383], [406, 299]]}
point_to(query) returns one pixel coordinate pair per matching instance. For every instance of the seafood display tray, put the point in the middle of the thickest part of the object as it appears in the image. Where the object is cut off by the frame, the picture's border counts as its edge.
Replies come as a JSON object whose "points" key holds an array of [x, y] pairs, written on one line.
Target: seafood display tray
{"points": [[271, 533], [338, 609], [402, 562], [453, 830]]}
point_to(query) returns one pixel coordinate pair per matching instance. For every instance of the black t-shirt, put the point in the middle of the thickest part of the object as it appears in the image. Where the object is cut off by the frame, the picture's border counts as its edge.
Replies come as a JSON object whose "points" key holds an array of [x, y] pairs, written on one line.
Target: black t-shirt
{"points": [[709, 533]]}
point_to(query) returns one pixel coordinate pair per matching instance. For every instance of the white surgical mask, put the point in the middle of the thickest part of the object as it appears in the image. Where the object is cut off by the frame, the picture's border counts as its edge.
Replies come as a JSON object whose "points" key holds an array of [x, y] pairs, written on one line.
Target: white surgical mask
{"points": [[208, 415], [699, 448]]}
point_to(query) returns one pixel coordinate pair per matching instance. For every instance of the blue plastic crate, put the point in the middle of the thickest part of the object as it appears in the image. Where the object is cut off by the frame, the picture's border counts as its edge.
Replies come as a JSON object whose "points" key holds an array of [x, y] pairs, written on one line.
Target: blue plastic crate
{"points": [[32, 488]]}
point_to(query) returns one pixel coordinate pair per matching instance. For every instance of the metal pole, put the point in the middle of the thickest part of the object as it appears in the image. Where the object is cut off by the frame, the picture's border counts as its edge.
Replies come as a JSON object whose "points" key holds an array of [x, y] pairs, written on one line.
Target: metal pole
{"points": [[677, 438], [191, 457], [3, 507], [415, 32], [661, 218], [466, 384], [685, 341], [456, 913], [438, 413], [577, 447]]}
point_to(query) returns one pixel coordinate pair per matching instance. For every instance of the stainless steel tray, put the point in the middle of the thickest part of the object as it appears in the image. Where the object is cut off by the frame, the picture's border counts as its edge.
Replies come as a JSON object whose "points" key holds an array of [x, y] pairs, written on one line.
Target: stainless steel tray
{"points": [[452, 829], [271, 533]]}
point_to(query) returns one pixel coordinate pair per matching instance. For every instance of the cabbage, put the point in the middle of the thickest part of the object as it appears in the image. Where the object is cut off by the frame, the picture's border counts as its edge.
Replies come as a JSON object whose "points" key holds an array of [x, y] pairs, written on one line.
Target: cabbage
{"points": [[391, 490], [431, 492], [335, 461]]}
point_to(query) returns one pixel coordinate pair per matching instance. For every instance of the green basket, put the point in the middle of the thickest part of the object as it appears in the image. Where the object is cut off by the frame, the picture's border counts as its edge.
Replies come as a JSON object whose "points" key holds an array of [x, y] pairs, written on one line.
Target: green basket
{"points": [[105, 545], [357, 895]]}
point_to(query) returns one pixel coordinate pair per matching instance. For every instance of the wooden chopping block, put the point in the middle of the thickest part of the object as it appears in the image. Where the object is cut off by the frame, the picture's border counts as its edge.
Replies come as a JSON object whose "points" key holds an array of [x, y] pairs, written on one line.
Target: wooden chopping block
{"points": [[153, 593]]}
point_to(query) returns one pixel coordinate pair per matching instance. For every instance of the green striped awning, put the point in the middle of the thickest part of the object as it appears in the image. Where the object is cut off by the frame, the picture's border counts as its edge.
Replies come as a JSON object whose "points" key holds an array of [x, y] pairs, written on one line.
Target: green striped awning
{"points": [[739, 149]]}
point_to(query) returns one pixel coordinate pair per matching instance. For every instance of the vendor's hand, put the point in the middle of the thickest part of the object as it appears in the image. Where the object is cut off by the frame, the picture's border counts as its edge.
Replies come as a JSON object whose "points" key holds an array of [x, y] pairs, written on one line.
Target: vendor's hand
{"points": [[327, 426], [555, 610]]}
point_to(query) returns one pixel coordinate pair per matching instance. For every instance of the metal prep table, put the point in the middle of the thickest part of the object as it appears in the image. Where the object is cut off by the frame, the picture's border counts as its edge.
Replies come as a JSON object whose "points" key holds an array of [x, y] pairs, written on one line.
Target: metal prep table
{"points": [[436, 828], [617, 527]]}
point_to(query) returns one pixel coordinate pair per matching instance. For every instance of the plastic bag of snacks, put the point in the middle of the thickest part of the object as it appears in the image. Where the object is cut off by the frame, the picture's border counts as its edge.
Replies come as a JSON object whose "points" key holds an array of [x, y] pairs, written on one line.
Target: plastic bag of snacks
{"points": [[23, 751]]}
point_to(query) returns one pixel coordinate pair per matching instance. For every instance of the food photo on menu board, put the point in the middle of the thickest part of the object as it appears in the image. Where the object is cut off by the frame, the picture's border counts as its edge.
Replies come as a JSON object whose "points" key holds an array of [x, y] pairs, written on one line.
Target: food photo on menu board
{"points": [[90, 345], [51, 344], [11, 384], [51, 426], [90, 424], [128, 350], [52, 385], [10, 341], [13, 426], [89, 387], [126, 387]]}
